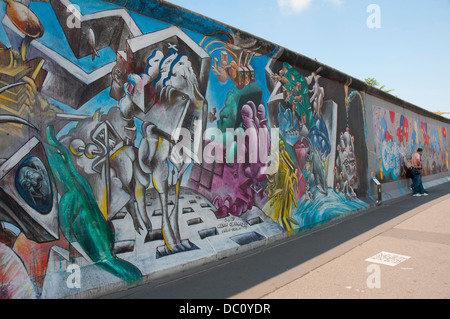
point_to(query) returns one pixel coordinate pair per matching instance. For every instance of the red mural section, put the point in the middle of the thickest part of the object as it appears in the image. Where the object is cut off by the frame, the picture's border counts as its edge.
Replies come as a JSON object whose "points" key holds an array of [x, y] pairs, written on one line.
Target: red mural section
{"points": [[393, 151]]}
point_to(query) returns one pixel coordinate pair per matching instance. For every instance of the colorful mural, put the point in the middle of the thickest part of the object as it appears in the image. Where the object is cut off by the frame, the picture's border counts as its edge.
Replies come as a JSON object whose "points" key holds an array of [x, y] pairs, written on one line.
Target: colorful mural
{"points": [[131, 144], [397, 137]]}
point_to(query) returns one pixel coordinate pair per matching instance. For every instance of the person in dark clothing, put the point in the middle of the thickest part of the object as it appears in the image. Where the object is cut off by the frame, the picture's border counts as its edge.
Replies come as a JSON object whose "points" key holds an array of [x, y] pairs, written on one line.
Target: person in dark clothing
{"points": [[417, 161]]}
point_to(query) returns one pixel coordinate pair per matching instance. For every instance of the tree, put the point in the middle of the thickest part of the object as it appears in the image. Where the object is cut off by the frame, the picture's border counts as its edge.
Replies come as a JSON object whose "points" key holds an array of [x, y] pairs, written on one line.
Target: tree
{"points": [[373, 82]]}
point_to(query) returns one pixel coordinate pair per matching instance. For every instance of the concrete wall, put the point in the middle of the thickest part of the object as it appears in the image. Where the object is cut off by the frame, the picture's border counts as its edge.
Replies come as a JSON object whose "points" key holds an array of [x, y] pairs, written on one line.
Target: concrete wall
{"points": [[98, 193]]}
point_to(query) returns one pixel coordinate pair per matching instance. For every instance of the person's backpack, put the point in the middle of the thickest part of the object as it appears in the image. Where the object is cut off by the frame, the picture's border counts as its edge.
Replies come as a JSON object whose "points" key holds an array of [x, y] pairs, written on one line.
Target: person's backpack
{"points": [[408, 163]]}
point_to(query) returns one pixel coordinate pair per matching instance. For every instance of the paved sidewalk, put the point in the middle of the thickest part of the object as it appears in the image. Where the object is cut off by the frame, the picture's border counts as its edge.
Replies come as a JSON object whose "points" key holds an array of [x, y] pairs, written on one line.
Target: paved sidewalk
{"points": [[420, 236], [331, 262]]}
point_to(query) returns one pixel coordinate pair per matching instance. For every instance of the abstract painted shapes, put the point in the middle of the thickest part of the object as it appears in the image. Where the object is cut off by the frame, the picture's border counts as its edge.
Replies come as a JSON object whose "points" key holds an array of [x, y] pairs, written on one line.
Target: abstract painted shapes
{"points": [[194, 221], [390, 159], [14, 279], [62, 69], [87, 34], [239, 69], [24, 19], [208, 232], [33, 183], [230, 115], [247, 238], [173, 45], [36, 257], [203, 174], [163, 251], [345, 170], [58, 260], [29, 195], [199, 225]]}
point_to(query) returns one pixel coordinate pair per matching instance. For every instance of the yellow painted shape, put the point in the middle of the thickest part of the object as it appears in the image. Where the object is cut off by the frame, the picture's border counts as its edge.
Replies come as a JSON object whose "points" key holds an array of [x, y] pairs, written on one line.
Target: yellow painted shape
{"points": [[138, 193], [165, 240], [104, 204], [159, 143], [417, 132], [154, 183], [116, 153]]}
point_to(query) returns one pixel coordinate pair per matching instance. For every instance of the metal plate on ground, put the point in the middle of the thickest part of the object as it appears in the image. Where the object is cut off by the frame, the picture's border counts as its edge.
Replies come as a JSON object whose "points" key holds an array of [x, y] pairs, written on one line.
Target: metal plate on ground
{"points": [[386, 258]]}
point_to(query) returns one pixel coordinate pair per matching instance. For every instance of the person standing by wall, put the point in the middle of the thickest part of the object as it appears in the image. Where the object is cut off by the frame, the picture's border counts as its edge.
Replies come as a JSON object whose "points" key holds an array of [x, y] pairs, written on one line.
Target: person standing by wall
{"points": [[417, 161]]}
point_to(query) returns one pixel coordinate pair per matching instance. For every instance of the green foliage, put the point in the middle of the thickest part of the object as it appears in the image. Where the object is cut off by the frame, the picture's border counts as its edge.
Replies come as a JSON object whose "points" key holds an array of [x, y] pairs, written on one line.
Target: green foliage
{"points": [[373, 82]]}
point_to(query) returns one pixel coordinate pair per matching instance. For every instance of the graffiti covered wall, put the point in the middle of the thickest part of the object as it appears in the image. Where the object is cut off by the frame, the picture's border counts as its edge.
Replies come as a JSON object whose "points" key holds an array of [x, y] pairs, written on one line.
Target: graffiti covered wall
{"points": [[398, 136], [134, 144]]}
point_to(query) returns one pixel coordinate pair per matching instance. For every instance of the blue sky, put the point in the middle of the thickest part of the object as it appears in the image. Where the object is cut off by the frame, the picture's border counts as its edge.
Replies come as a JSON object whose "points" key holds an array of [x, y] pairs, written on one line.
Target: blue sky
{"points": [[409, 53]]}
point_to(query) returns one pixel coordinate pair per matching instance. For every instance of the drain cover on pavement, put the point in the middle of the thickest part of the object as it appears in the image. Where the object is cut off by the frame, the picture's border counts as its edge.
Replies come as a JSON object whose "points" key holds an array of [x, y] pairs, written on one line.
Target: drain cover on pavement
{"points": [[386, 258]]}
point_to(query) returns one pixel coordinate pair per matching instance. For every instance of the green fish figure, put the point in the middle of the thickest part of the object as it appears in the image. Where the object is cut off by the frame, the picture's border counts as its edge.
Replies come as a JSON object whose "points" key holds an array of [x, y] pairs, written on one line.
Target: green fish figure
{"points": [[80, 218]]}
